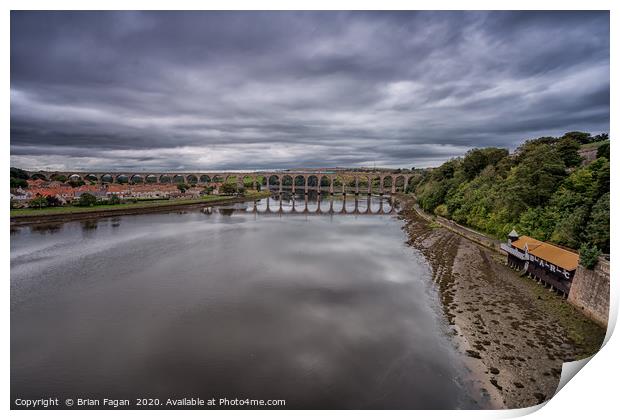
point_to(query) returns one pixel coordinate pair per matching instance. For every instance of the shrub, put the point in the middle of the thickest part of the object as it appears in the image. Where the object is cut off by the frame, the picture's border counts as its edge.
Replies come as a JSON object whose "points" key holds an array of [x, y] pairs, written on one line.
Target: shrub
{"points": [[182, 187], [18, 183], [53, 201], [38, 202], [442, 210], [76, 182], [228, 189], [603, 151], [588, 255], [87, 200]]}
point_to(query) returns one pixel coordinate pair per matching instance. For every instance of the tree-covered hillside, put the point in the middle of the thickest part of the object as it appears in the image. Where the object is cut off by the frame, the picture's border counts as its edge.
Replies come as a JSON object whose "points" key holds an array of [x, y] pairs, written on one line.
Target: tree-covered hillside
{"points": [[543, 190]]}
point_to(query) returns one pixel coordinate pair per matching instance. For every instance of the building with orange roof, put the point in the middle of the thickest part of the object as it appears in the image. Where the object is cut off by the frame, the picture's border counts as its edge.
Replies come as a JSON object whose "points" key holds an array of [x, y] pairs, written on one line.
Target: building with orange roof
{"points": [[545, 262]]}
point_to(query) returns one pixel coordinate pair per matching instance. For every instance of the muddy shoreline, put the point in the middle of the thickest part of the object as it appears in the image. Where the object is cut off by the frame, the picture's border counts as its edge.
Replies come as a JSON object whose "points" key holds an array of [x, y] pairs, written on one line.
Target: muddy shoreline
{"points": [[513, 333]]}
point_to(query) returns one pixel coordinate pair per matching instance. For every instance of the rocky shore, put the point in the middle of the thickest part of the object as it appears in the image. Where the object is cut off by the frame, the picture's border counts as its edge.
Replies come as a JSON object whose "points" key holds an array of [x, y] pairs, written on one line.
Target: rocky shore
{"points": [[514, 333]]}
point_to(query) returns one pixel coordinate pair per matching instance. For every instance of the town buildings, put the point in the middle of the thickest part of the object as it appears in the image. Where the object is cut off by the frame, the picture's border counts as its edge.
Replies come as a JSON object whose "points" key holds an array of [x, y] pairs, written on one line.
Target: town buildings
{"points": [[67, 194]]}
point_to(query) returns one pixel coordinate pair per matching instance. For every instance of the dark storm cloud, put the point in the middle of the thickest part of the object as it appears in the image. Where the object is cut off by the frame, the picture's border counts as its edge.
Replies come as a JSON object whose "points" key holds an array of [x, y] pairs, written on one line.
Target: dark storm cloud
{"points": [[211, 90]]}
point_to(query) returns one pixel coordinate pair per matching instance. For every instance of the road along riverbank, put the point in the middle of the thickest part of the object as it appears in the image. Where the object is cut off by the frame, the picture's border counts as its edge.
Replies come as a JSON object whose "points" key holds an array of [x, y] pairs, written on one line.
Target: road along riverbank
{"points": [[80, 213], [515, 334]]}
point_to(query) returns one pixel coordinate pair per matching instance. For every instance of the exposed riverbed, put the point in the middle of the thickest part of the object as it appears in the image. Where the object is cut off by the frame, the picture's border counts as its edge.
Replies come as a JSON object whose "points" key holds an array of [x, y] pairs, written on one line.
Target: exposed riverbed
{"points": [[516, 333], [328, 310]]}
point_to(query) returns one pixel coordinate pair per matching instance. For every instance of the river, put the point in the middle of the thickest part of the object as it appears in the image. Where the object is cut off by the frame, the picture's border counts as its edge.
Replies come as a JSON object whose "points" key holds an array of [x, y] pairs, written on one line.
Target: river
{"points": [[327, 310]]}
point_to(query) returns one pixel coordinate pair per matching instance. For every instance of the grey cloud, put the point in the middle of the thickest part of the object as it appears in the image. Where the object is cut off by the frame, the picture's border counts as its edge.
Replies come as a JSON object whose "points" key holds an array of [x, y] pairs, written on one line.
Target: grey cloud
{"points": [[216, 90]]}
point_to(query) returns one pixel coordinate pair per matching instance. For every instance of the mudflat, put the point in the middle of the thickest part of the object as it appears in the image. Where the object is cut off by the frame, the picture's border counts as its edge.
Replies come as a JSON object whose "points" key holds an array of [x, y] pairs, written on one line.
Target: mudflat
{"points": [[514, 332]]}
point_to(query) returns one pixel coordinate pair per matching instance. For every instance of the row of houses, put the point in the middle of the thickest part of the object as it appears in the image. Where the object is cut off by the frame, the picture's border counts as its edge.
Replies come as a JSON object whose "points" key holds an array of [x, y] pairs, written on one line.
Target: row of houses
{"points": [[66, 193]]}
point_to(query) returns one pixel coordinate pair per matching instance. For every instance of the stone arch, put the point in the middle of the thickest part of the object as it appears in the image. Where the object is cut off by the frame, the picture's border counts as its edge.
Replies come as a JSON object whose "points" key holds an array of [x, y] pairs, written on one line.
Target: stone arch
{"points": [[121, 179], [400, 183], [58, 177], [38, 176], [217, 179], [349, 182], [249, 181], [150, 179], [325, 183], [231, 179], [165, 179], [136, 179], [75, 177], [191, 179], [299, 181], [273, 180], [287, 182], [107, 178], [313, 182], [362, 183], [375, 184], [339, 184], [178, 178], [387, 183], [91, 178], [204, 179]]}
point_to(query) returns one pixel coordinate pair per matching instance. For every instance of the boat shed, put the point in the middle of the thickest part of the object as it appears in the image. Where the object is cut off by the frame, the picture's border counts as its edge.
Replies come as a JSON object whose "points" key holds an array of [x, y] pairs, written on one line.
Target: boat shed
{"points": [[545, 262]]}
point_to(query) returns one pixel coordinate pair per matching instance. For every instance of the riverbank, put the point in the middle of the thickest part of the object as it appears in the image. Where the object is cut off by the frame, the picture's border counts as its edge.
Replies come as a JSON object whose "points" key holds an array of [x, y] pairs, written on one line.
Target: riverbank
{"points": [[64, 214], [515, 334]]}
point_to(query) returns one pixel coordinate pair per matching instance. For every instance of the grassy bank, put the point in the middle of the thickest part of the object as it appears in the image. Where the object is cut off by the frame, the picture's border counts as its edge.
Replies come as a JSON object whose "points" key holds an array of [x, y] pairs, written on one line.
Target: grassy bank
{"points": [[594, 145], [69, 210]]}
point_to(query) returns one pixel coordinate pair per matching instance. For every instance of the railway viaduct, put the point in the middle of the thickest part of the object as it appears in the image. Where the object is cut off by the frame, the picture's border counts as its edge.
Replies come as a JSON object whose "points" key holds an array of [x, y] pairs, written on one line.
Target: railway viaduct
{"points": [[334, 182]]}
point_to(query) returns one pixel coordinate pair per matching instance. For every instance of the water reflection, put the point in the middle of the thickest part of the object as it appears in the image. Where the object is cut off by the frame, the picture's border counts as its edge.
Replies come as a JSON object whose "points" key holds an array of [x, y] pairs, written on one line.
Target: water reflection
{"points": [[89, 224], [320, 205], [46, 228], [325, 312]]}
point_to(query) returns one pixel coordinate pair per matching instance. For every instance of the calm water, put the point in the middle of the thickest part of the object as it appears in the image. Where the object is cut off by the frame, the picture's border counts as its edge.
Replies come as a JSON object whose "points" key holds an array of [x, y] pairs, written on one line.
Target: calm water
{"points": [[325, 311]]}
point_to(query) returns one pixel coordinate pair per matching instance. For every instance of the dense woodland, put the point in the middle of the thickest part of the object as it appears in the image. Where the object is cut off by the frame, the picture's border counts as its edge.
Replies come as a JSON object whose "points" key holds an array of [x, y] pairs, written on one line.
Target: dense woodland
{"points": [[544, 190]]}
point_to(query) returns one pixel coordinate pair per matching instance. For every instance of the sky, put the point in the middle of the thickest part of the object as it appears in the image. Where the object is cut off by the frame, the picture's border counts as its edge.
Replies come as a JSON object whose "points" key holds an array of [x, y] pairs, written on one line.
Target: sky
{"points": [[276, 90]]}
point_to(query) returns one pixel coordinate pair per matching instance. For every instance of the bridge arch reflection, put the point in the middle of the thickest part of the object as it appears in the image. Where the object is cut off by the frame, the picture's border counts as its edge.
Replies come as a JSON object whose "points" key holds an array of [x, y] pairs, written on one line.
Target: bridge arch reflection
{"points": [[302, 205]]}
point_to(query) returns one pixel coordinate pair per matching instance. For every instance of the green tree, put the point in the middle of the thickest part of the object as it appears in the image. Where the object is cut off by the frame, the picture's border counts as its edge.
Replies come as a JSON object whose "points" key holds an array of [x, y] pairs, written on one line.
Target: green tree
{"points": [[477, 159], [568, 149], [588, 255], [87, 200], [535, 178], [59, 178], [38, 202], [603, 151], [18, 183], [597, 231], [53, 201], [569, 229], [601, 137], [531, 189], [114, 199], [19, 173], [537, 222], [228, 189], [182, 187], [76, 182], [579, 136]]}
